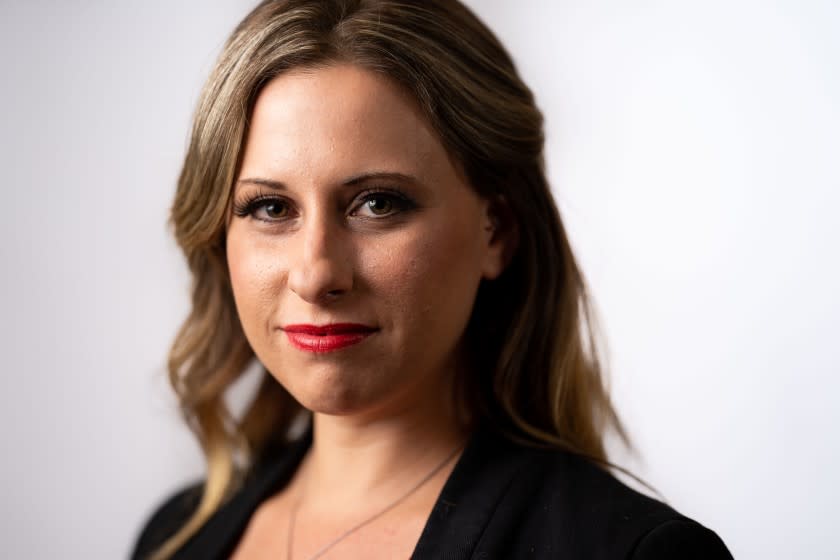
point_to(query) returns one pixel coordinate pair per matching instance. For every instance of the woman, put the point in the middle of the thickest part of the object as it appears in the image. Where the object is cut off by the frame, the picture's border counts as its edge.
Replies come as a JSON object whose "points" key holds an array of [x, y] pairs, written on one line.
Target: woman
{"points": [[364, 210]]}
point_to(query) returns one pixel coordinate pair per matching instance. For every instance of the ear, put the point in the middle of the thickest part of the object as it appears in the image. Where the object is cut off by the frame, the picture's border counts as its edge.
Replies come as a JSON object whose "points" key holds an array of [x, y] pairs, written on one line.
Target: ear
{"points": [[501, 232]]}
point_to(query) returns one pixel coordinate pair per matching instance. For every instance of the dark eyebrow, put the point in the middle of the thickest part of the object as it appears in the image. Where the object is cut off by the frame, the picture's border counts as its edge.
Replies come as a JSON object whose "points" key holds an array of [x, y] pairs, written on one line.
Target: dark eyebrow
{"points": [[351, 181]]}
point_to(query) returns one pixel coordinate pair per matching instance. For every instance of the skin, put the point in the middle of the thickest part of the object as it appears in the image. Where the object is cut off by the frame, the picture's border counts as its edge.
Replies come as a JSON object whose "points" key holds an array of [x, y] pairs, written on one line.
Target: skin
{"points": [[320, 248]]}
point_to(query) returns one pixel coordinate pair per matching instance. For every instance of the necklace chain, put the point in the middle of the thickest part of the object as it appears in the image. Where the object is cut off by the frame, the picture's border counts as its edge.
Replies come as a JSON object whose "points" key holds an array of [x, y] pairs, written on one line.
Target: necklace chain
{"points": [[321, 551]]}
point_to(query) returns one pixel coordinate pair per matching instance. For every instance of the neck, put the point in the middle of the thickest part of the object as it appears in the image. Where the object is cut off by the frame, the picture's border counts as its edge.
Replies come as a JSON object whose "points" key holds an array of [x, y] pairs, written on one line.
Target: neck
{"points": [[355, 458]]}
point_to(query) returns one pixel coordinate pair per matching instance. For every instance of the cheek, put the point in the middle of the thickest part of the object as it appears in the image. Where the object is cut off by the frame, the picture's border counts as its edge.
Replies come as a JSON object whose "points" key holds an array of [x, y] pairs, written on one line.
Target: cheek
{"points": [[429, 277], [254, 276]]}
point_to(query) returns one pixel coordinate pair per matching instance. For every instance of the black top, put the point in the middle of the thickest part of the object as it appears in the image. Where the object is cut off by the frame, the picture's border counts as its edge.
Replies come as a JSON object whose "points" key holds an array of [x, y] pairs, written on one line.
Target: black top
{"points": [[502, 500]]}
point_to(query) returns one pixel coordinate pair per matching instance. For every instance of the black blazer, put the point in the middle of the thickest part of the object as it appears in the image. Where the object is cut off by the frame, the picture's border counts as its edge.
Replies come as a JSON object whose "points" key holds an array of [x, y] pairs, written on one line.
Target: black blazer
{"points": [[502, 501]]}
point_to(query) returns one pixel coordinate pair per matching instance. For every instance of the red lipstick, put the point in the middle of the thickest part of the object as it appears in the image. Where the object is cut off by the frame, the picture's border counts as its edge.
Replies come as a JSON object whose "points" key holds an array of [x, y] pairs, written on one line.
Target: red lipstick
{"points": [[326, 338]]}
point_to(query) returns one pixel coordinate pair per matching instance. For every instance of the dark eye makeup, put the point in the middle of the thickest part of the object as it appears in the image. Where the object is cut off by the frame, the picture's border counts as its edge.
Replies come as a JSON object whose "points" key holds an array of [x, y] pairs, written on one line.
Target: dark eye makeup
{"points": [[372, 204], [274, 207], [382, 203]]}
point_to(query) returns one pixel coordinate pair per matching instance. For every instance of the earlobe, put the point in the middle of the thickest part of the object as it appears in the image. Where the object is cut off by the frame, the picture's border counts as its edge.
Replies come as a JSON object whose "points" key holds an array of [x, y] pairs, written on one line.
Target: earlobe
{"points": [[502, 230]]}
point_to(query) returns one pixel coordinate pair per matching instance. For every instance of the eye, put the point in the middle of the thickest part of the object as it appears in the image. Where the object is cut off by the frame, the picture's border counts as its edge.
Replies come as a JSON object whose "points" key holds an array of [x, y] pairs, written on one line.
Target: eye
{"points": [[271, 209], [381, 204], [265, 208], [378, 205]]}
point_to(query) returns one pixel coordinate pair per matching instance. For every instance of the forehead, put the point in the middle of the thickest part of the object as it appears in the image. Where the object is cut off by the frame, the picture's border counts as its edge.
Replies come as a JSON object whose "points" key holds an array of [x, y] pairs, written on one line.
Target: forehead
{"points": [[338, 119]]}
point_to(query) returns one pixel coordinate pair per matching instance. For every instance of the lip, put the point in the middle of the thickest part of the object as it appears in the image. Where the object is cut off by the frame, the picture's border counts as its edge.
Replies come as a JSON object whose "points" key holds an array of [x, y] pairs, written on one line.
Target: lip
{"points": [[326, 338]]}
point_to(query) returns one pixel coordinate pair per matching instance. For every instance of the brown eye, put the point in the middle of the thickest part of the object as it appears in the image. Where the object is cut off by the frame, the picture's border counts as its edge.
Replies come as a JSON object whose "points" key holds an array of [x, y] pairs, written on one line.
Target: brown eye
{"points": [[275, 209], [264, 208], [379, 205], [382, 204]]}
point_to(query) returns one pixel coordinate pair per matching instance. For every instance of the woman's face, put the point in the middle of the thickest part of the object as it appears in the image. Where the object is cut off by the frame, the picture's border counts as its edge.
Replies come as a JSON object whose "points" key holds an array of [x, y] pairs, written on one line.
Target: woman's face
{"points": [[354, 243]]}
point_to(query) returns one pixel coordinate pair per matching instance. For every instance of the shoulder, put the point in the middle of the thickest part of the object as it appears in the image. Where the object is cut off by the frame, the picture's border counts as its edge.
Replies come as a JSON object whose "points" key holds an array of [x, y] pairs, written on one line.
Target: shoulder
{"points": [[269, 471], [630, 524], [166, 519], [681, 538], [558, 502]]}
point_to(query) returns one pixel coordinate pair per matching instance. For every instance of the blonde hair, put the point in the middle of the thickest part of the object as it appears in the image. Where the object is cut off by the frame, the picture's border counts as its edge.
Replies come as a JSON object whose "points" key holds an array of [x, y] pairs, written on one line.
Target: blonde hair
{"points": [[537, 375]]}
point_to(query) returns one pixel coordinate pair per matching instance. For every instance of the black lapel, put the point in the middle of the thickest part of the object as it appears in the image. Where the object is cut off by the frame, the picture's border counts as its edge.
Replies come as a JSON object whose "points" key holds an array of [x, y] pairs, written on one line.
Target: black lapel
{"points": [[469, 498]]}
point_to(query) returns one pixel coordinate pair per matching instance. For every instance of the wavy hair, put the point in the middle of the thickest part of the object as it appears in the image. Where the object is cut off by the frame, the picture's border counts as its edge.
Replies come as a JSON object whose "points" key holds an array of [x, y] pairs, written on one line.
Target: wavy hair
{"points": [[537, 374]]}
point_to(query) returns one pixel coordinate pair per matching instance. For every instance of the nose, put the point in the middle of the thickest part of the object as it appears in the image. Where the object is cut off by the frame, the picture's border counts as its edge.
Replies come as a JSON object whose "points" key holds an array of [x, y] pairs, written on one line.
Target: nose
{"points": [[322, 269]]}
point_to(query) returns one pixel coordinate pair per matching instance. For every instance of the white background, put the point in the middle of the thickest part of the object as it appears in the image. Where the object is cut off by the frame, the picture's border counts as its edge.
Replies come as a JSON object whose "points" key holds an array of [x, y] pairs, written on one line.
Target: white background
{"points": [[693, 148]]}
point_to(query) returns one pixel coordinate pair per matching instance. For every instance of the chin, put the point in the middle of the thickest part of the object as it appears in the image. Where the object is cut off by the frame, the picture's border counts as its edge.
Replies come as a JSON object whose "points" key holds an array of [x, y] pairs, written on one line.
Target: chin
{"points": [[347, 390], [332, 396], [332, 405]]}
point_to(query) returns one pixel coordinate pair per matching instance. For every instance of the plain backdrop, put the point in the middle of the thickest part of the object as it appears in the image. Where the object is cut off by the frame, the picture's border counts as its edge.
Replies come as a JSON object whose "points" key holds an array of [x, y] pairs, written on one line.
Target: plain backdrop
{"points": [[693, 149]]}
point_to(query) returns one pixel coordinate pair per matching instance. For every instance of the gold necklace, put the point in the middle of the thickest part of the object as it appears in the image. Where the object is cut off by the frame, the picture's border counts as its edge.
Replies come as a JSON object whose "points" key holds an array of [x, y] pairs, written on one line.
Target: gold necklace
{"points": [[321, 551]]}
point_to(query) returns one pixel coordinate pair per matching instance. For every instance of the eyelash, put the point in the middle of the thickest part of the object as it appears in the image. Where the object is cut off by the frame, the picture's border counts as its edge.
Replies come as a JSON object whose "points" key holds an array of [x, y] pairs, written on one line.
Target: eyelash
{"points": [[250, 205]]}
